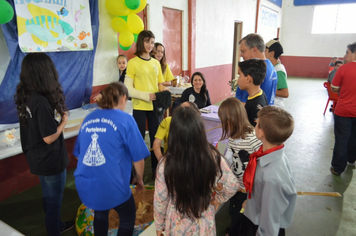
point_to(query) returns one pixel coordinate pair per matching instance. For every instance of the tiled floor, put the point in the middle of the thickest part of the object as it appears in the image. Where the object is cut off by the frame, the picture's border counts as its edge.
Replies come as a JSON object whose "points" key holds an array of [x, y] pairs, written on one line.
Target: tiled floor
{"points": [[309, 151]]}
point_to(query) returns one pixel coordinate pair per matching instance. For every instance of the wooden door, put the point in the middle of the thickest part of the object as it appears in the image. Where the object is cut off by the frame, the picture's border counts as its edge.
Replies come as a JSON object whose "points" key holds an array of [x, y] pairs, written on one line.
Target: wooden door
{"points": [[172, 38]]}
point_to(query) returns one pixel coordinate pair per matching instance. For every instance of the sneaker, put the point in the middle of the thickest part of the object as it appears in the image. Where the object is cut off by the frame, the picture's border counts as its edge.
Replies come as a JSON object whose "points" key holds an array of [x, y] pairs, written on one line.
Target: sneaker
{"points": [[334, 172], [68, 226], [351, 163]]}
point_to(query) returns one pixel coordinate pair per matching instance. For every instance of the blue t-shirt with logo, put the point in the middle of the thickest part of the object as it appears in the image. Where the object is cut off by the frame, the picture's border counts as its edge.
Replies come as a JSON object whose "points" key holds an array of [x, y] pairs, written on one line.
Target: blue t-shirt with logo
{"points": [[107, 143], [269, 85]]}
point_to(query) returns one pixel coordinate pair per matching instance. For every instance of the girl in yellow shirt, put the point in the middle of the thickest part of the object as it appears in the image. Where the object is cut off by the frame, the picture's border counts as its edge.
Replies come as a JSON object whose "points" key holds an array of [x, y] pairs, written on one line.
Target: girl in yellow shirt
{"points": [[143, 76]]}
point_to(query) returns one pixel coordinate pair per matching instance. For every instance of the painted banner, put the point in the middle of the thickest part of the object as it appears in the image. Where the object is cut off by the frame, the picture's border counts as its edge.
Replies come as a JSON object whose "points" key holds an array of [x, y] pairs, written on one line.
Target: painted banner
{"points": [[54, 25], [277, 2], [321, 2]]}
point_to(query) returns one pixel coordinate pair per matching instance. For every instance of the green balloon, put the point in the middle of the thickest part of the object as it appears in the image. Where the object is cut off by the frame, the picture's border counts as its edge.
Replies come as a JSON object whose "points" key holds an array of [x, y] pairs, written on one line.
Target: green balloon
{"points": [[124, 17], [125, 48], [135, 37], [132, 4], [6, 12]]}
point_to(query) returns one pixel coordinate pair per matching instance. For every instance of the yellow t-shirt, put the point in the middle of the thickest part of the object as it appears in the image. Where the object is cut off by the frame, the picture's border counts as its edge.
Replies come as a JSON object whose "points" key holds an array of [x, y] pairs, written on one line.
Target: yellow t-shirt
{"points": [[168, 76], [163, 131], [146, 75]]}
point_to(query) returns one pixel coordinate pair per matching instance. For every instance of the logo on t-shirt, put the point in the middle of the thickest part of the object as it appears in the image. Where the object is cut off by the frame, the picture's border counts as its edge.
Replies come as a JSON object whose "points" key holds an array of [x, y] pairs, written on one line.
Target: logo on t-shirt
{"points": [[57, 116], [191, 98], [94, 156]]}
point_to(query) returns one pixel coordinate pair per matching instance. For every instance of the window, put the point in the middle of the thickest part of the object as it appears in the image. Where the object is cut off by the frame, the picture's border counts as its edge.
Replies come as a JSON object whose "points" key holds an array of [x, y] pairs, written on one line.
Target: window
{"points": [[334, 19]]}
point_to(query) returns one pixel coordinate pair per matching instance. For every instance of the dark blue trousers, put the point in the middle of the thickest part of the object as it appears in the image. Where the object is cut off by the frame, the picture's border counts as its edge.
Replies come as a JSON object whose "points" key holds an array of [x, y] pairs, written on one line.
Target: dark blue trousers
{"points": [[345, 142]]}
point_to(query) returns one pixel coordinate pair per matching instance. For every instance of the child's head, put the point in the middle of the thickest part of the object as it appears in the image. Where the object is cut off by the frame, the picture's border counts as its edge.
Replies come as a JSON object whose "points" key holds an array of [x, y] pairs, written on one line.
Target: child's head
{"points": [[234, 121], [112, 95], [121, 62], [145, 42], [273, 49], [338, 64], [159, 53], [251, 72], [38, 73], [190, 104], [274, 124]]}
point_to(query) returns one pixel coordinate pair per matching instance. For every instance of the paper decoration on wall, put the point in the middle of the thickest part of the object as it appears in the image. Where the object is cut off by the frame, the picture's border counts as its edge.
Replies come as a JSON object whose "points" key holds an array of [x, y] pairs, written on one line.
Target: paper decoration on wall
{"points": [[126, 22], [51, 26]]}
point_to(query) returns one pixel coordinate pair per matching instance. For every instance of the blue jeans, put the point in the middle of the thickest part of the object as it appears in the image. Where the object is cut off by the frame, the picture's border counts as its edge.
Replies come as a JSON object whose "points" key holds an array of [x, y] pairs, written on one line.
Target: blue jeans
{"points": [[127, 216], [52, 193], [345, 142]]}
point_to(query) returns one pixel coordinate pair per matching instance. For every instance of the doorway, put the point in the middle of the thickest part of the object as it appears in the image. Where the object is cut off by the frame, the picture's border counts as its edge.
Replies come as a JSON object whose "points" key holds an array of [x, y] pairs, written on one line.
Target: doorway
{"points": [[172, 38], [236, 52]]}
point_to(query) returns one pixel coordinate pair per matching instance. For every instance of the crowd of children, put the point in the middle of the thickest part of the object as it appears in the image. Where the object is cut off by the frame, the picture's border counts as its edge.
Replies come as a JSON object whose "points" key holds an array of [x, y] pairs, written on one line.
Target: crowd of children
{"points": [[192, 177]]}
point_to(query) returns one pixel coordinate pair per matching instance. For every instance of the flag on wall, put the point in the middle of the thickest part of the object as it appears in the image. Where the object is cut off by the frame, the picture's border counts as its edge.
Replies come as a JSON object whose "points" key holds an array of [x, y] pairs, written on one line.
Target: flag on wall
{"points": [[51, 26]]}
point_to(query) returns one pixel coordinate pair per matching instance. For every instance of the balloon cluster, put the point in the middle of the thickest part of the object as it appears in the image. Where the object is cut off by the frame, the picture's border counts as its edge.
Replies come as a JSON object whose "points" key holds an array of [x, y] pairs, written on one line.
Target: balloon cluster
{"points": [[6, 12], [126, 22]]}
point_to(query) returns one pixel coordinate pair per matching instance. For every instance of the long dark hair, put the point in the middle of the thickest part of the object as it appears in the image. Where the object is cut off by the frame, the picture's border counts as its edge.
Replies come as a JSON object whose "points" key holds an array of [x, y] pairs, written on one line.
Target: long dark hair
{"points": [[112, 94], [203, 88], [163, 61], [192, 165], [142, 36], [39, 75]]}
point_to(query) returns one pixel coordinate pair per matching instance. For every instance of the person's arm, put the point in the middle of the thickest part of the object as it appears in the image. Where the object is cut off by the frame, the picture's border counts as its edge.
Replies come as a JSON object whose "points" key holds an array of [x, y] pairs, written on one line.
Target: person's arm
{"points": [[208, 103], [241, 95], [134, 93], [160, 200], [283, 93], [157, 148], [273, 205], [51, 138], [336, 81], [139, 167], [228, 182]]}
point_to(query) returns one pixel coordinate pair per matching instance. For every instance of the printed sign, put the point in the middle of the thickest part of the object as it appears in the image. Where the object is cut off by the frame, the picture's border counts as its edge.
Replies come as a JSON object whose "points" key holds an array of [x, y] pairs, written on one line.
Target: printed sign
{"points": [[267, 23], [54, 25], [320, 2]]}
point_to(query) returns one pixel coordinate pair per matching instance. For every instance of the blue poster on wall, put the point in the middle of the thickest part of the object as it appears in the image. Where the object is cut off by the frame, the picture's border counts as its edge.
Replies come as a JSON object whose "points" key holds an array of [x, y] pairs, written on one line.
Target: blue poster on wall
{"points": [[277, 2], [321, 2]]}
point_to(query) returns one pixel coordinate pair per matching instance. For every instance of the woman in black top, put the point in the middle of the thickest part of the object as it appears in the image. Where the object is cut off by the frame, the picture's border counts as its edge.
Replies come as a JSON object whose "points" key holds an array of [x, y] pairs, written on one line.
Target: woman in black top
{"points": [[198, 92], [42, 113]]}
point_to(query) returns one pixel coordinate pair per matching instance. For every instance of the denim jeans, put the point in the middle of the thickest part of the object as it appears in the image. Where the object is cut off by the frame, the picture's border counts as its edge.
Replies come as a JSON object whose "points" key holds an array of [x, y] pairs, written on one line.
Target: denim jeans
{"points": [[127, 216], [52, 193], [345, 142]]}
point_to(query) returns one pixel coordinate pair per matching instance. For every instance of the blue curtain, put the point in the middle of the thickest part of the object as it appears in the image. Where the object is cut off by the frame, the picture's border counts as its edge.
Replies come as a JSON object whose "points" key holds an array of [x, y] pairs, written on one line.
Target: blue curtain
{"points": [[75, 69]]}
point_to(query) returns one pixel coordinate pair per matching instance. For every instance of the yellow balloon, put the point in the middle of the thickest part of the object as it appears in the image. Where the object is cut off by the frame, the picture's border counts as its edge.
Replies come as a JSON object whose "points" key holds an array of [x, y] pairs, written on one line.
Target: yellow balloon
{"points": [[119, 24], [134, 23], [140, 8], [117, 7], [126, 38]]}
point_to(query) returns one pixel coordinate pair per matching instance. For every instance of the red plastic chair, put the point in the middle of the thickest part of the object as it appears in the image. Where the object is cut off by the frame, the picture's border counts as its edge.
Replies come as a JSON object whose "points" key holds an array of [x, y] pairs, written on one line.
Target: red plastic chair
{"points": [[334, 97]]}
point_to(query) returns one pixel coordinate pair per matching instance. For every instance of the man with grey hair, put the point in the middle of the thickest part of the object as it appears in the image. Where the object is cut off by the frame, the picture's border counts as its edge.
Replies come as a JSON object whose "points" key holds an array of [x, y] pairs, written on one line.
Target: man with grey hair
{"points": [[344, 83], [252, 46]]}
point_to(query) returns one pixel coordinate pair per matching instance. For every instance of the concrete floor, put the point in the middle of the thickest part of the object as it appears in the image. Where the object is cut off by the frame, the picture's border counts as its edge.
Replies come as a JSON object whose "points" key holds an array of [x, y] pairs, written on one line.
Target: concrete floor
{"points": [[309, 150]]}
